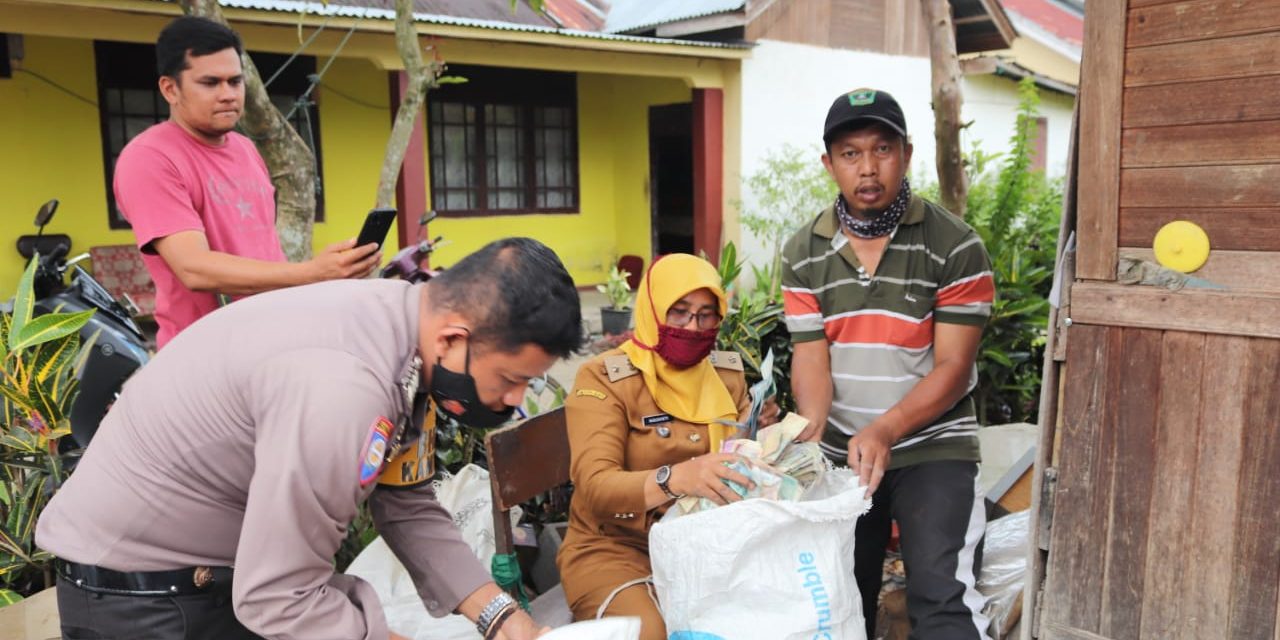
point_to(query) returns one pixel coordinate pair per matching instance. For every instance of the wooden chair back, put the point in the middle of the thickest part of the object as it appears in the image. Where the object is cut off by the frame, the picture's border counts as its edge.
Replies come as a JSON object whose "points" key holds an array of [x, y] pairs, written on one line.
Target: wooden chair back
{"points": [[525, 459]]}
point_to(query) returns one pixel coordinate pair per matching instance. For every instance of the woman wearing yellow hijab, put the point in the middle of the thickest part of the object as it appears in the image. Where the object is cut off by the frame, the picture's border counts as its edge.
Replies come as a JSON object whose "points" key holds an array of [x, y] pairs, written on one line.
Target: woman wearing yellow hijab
{"points": [[639, 437]]}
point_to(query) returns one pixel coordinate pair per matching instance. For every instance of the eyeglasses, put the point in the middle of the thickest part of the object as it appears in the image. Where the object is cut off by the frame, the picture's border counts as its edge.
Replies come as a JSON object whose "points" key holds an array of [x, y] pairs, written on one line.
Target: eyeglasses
{"points": [[680, 318]]}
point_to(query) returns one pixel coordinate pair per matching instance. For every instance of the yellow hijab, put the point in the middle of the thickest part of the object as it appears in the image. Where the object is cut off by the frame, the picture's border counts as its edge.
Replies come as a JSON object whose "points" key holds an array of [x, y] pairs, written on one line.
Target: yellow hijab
{"points": [[694, 394]]}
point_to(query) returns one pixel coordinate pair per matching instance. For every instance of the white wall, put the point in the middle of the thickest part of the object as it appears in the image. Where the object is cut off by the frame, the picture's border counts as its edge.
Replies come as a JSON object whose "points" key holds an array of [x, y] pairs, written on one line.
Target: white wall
{"points": [[991, 103], [787, 88]]}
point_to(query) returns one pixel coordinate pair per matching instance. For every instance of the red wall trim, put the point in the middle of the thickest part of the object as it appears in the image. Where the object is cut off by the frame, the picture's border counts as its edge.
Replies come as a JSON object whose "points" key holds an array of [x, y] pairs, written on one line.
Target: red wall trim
{"points": [[708, 171], [411, 186]]}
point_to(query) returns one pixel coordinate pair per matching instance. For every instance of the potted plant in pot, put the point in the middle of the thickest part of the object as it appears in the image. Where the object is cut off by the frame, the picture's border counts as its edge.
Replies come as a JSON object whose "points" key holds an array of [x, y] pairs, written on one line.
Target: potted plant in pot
{"points": [[616, 318]]}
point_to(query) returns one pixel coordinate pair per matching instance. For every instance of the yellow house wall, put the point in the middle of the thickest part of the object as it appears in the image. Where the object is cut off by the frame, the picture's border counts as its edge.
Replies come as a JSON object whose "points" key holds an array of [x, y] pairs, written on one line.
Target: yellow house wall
{"points": [[1042, 59], [613, 174], [51, 147], [353, 140]]}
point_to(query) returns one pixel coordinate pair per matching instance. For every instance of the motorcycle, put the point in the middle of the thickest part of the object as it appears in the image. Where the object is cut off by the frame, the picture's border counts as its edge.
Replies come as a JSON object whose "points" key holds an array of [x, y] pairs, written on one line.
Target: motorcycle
{"points": [[119, 347]]}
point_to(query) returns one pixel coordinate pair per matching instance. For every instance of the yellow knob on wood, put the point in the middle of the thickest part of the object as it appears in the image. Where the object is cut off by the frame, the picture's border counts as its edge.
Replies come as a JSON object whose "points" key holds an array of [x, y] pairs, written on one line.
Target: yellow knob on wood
{"points": [[1181, 246]]}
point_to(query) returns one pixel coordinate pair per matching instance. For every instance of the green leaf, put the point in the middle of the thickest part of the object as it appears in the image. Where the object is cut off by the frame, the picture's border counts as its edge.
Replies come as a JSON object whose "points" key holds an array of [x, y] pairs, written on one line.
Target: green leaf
{"points": [[85, 350], [47, 328], [452, 80], [23, 301], [5, 321], [8, 597], [10, 544]]}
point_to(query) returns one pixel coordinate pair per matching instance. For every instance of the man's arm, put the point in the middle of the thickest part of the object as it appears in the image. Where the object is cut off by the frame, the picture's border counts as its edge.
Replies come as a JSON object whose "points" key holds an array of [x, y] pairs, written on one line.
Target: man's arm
{"points": [[811, 358], [955, 346], [445, 571], [313, 432], [202, 269], [811, 385]]}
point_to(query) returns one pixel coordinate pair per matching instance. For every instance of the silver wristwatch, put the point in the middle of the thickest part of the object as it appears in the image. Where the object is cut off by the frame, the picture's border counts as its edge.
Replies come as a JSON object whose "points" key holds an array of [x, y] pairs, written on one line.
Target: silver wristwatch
{"points": [[663, 477], [497, 605]]}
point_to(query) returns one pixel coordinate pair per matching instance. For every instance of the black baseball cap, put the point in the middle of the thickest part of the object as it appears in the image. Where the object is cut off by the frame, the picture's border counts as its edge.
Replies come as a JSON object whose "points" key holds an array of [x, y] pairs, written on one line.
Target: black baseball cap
{"points": [[864, 104]]}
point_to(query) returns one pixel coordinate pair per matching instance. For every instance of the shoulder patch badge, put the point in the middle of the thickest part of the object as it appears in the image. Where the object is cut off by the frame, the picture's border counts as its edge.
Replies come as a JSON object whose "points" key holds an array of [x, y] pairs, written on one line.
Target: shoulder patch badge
{"points": [[590, 393], [726, 360], [375, 450], [619, 367]]}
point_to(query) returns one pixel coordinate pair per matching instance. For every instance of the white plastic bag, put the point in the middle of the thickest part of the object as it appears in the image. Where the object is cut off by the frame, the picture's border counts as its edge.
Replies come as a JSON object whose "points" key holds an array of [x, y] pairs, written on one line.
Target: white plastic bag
{"points": [[1004, 567], [466, 496], [615, 628], [764, 569]]}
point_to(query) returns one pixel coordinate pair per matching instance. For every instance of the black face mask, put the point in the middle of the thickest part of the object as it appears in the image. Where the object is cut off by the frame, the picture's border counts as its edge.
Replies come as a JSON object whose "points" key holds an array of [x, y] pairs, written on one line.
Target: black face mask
{"points": [[456, 395]]}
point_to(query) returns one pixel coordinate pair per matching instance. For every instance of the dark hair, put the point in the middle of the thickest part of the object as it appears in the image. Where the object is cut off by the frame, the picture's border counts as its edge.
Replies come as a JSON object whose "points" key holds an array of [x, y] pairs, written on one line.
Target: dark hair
{"points": [[197, 36], [516, 292]]}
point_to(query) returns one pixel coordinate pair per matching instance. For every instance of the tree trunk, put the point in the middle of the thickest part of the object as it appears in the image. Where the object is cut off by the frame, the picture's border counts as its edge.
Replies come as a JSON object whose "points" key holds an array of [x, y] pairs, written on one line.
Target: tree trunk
{"points": [[422, 76], [289, 159], [947, 100]]}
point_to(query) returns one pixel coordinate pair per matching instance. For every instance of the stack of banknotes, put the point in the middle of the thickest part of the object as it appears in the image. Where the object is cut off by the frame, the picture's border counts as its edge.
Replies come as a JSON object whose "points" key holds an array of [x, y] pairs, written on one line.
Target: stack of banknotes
{"points": [[779, 467]]}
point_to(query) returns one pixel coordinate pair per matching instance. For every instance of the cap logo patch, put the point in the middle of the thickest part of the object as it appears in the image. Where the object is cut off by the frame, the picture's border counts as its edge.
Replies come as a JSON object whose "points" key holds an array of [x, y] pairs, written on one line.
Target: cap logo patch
{"points": [[862, 97]]}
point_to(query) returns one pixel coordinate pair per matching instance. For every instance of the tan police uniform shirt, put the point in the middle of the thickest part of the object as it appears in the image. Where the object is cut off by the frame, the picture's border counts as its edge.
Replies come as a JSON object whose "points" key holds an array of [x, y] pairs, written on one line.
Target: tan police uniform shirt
{"points": [[251, 440], [617, 436]]}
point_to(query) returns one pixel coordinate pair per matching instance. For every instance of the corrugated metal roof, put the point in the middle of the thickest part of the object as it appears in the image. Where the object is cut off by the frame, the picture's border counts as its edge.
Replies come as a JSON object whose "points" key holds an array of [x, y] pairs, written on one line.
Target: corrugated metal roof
{"points": [[496, 10], [634, 15], [347, 11]]}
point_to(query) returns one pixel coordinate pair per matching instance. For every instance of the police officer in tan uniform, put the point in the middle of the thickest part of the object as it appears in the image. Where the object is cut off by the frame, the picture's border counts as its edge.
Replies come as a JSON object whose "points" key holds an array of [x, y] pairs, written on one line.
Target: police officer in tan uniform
{"points": [[223, 480], [641, 423]]}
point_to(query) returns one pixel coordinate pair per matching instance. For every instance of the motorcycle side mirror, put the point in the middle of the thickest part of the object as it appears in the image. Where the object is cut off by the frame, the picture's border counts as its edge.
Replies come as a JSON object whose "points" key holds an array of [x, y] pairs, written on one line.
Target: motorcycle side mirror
{"points": [[45, 214], [427, 216]]}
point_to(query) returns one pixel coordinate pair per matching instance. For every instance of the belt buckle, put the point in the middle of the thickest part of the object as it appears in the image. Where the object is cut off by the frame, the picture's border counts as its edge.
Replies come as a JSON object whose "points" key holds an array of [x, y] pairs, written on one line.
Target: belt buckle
{"points": [[202, 577]]}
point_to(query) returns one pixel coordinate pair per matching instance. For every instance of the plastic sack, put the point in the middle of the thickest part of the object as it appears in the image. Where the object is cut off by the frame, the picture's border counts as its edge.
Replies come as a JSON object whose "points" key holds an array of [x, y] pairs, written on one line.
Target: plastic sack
{"points": [[466, 496], [614, 628], [1004, 568], [764, 569]]}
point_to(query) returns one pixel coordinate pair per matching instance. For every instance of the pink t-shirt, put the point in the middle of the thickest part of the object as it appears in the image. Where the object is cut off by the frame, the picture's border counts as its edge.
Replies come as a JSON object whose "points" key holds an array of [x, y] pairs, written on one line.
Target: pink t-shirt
{"points": [[167, 181]]}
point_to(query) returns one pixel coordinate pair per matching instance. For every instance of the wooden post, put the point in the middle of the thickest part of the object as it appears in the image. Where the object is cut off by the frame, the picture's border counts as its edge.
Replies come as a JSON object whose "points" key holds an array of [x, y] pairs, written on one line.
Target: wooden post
{"points": [[947, 101], [708, 171], [411, 183], [1101, 106]]}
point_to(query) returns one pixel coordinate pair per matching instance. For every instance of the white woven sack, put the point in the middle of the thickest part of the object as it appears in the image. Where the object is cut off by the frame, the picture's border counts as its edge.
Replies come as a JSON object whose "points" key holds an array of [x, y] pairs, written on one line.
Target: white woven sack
{"points": [[764, 569]]}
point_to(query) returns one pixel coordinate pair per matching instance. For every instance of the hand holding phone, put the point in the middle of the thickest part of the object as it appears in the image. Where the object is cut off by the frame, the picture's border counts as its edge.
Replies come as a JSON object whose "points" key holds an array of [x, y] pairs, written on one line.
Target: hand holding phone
{"points": [[376, 226]]}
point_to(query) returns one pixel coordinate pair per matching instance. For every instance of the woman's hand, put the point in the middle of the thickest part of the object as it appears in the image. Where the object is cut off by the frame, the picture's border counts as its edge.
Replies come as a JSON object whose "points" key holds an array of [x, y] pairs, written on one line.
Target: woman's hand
{"points": [[769, 412], [705, 476]]}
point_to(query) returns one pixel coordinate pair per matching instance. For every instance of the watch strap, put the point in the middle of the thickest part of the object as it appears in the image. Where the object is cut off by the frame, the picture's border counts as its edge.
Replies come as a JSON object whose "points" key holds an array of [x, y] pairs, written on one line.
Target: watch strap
{"points": [[663, 482]]}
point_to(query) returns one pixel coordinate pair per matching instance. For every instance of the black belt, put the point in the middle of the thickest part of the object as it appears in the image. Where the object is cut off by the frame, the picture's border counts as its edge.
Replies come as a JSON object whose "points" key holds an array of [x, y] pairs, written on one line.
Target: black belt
{"points": [[178, 582]]}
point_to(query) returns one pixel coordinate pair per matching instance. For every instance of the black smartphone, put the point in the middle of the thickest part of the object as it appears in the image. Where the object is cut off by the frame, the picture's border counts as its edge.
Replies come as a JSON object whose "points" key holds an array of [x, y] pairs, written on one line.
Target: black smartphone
{"points": [[376, 226]]}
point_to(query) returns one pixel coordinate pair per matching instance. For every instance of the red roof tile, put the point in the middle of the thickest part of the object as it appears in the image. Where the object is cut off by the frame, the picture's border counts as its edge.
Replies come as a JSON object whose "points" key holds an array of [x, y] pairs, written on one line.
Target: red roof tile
{"points": [[1052, 17]]}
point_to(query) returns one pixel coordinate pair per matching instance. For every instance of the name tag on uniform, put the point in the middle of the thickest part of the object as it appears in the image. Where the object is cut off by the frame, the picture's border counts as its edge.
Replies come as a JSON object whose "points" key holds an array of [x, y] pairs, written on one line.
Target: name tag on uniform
{"points": [[660, 418], [416, 465]]}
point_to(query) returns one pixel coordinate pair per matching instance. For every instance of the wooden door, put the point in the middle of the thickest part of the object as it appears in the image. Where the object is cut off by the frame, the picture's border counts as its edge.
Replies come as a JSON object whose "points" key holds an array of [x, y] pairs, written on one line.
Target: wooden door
{"points": [[1166, 515], [1159, 483]]}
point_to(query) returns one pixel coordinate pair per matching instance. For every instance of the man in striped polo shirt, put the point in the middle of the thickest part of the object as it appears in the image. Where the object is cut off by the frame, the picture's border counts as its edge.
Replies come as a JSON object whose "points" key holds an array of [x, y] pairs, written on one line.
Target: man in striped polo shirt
{"points": [[886, 295]]}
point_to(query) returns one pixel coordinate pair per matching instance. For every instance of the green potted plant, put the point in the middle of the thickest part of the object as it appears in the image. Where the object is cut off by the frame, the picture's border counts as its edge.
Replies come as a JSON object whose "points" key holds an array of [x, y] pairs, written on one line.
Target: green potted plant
{"points": [[41, 358], [616, 318]]}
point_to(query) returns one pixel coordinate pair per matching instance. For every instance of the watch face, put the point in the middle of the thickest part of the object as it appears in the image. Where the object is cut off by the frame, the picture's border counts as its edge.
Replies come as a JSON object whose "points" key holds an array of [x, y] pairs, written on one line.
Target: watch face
{"points": [[664, 473]]}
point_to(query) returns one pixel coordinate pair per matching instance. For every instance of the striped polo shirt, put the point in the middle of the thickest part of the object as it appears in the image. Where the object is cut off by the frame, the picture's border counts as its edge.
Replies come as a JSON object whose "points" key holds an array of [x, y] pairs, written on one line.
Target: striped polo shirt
{"points": [[879, 329]]}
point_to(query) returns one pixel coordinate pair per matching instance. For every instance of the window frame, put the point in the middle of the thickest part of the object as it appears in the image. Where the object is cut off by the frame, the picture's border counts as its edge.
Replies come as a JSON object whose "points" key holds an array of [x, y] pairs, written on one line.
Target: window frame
{"points": [[125, 66], [497, 86]]}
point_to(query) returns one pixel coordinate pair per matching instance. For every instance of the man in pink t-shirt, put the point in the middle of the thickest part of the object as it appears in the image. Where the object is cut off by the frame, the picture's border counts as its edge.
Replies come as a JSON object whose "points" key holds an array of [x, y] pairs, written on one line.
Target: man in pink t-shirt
{"points": [[199, 196]]}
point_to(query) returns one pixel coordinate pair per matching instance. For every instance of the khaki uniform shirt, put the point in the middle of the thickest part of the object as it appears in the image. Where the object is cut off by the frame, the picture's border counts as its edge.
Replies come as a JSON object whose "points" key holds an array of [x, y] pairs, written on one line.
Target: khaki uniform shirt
{"points": [[251, 440], [617, 437]]}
